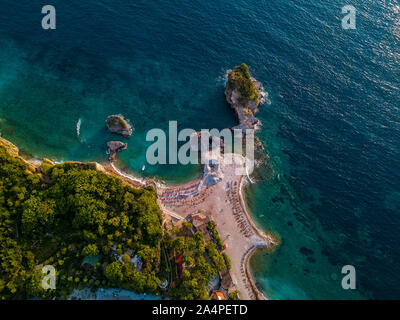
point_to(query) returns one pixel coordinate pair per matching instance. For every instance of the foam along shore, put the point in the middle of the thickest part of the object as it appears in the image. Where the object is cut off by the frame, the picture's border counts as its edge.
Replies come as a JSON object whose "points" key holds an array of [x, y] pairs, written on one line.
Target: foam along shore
{"points": [[140, 181]]}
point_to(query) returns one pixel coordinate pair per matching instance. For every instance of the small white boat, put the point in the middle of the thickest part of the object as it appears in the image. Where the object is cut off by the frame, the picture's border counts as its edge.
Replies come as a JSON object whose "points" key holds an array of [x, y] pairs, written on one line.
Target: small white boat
{"points": [[144, 167]]}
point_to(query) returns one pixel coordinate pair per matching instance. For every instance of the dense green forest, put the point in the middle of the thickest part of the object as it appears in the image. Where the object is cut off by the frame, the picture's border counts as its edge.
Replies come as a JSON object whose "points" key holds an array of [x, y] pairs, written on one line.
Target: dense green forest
{"points": [[69, 213], [200, 264]]}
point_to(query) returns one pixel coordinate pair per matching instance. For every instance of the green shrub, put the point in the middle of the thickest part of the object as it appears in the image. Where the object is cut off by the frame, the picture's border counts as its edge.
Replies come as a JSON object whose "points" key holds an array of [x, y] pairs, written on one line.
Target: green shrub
{"points": [[90, 250], [227, 260], [234, 295], [212, 227]]}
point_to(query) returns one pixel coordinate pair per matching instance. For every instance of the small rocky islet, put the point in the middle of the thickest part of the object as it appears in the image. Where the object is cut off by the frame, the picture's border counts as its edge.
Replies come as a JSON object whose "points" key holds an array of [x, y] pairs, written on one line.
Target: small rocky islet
{"points": [[118, 125], [114, 147]]}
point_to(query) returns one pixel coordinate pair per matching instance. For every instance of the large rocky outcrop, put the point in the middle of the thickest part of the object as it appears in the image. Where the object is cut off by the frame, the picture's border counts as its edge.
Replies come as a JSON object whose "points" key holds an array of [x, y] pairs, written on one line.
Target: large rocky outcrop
{"points": [[117, 124], [13, 151], [245, 94], [114, 147]]}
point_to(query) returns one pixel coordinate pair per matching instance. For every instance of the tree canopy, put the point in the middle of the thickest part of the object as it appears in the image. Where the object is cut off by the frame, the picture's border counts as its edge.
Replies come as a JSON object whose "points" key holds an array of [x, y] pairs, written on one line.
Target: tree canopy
{"points": [[96, 232], [69, 212]]}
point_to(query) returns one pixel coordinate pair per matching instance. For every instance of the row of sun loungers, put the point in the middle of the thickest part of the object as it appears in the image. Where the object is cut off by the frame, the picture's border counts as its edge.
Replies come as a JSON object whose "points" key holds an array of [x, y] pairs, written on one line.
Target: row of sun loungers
{"points": [[189, 195], [233, 196], [244, 276]]}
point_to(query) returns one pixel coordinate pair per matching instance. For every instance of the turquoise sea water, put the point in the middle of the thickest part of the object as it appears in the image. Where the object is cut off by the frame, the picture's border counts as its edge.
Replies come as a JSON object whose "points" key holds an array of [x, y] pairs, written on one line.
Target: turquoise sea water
{"points": [[330, 189]]}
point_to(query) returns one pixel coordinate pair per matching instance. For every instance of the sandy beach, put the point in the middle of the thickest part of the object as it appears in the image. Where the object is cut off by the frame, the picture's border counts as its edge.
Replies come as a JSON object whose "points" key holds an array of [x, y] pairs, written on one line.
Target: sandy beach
{"points": [[222, 202]]}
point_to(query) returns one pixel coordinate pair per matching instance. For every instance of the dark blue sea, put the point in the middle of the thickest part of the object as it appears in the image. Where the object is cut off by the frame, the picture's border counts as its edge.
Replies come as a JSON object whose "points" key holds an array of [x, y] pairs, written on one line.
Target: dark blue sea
{"points": [[329, 186]]}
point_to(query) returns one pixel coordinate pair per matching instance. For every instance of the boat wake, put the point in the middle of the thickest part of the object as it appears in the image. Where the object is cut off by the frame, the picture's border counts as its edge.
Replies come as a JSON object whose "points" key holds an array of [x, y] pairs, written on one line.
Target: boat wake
{"points": [[78, 127], [78, 130]]}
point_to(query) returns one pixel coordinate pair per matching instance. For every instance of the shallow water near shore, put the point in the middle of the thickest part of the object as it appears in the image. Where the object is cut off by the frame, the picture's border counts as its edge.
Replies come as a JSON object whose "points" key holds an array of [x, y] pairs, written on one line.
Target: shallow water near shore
{"points": [[332, 131]]}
